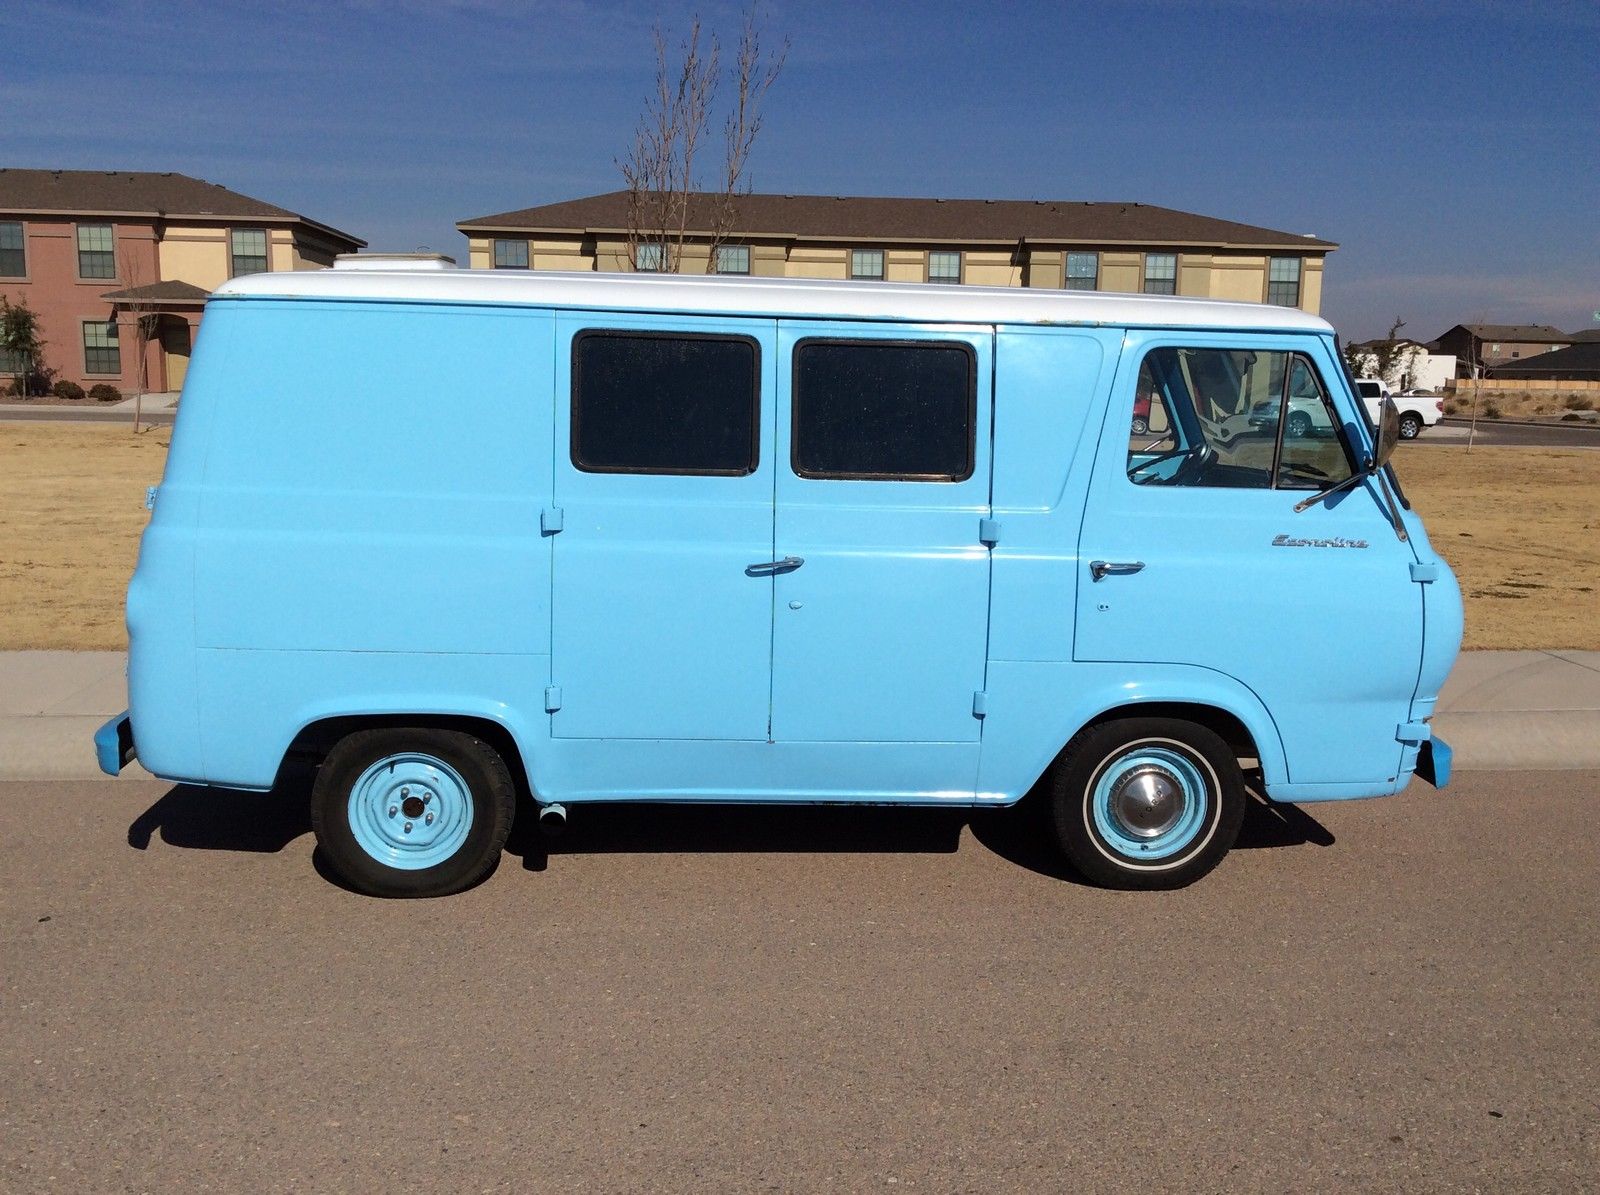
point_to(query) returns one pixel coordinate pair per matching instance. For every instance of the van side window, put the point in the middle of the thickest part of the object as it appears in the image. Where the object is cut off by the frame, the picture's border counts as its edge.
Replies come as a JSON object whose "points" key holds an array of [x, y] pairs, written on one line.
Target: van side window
{"points": [[884, 410], [656, 402], [1233, 418]]}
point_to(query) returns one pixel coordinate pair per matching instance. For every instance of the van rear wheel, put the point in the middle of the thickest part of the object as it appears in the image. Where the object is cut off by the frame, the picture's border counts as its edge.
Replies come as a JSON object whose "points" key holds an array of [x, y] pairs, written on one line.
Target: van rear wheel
{"points": [[412, 811], [1147, 802]]}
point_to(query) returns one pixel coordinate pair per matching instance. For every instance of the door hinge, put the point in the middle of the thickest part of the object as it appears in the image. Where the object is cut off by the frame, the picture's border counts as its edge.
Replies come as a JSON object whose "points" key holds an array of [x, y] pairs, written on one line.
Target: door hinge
{"points": [[989, 532], [1413, 732], [552, 698], [150, 497], [1424, 573], [551, 520], [980, 704]]}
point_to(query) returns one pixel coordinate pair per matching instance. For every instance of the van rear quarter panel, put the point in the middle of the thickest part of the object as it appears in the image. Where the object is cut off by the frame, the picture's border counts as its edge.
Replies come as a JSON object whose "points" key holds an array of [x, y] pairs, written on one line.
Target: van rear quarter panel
{"points": [[368, 520]]}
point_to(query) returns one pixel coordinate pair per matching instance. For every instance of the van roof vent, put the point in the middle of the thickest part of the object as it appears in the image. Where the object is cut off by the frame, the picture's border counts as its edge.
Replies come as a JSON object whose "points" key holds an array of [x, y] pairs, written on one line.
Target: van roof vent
{"points": [[393, 261]]}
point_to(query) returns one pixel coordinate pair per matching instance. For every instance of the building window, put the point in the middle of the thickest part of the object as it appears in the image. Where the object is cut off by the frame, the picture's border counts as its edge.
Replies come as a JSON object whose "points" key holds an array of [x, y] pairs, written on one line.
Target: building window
{"points": [[10, 363], [247, 249], [13, 256], [884, 410], [866, 265], [647, 402], [650, 259], [1083, 271], [1160, 273], [97, 256], [101, 352], [944, 267], [1283, 281], [733, 259], [510, 255]]}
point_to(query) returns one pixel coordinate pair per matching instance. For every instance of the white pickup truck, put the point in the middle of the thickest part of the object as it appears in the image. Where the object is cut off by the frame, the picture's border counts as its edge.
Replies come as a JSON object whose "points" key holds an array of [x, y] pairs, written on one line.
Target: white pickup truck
{"points": [[1417, 411]]}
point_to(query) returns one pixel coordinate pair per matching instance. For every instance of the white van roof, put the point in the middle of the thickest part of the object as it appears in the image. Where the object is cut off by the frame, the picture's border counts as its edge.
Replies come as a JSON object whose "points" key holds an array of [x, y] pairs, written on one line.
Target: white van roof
{"points": [[770, 297]]}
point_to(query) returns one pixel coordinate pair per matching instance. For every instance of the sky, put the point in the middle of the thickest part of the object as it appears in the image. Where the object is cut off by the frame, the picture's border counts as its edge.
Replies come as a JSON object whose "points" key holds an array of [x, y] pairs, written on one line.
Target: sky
{"points": [[1452, 149]]}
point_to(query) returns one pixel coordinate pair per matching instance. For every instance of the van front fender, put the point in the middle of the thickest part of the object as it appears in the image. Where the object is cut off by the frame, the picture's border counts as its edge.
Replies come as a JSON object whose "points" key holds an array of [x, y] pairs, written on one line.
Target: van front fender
{"points": [[1035, 708]]}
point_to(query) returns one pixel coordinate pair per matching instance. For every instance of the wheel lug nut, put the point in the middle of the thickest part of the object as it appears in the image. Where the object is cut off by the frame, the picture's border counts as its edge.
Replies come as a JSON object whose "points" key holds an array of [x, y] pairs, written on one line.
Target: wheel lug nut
{"points": [[427, 798], [428, 819], [408, 827], [393, 809], [405, 792]]}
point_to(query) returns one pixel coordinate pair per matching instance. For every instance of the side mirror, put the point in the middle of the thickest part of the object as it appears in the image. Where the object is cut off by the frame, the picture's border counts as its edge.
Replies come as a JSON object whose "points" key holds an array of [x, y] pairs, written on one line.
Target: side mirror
{"points": [[1388, 434]]}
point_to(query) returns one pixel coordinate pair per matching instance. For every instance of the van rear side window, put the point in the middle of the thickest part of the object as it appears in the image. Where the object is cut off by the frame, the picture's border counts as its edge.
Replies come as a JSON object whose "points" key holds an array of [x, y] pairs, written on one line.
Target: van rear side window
{"points": [[647, 402], [884, 410]]}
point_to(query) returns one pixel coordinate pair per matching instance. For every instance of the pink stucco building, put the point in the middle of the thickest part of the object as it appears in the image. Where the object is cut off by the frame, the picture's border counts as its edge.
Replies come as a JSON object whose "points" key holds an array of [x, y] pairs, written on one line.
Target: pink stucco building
{"points": [[93, 252]]}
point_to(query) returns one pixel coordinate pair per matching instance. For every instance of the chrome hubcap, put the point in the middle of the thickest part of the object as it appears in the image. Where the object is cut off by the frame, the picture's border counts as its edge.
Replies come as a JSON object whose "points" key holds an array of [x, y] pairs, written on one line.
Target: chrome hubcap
{"points": [[1147, 801]]}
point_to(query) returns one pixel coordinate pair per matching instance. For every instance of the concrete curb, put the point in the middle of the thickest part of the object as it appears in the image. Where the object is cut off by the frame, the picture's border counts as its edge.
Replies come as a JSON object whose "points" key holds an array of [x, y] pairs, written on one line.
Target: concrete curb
{"points": [[1588, 425], [1500, 711]]}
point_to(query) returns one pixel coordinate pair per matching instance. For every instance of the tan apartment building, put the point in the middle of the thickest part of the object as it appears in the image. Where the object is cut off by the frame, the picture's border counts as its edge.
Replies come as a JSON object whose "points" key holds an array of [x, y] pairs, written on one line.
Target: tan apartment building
{"points": [[92, 252], [1128, 247]]}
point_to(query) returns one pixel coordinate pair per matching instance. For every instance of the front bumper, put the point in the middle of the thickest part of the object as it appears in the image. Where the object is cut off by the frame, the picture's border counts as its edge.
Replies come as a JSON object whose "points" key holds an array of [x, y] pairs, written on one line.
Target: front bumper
{"points": [[113, 744]]}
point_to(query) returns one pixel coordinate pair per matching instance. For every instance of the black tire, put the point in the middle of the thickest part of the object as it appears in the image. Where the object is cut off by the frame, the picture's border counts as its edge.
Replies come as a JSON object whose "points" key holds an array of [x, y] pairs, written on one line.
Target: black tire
{"points": [[1299, 425], [1410, 426], [1196, 751], [489, 789]]}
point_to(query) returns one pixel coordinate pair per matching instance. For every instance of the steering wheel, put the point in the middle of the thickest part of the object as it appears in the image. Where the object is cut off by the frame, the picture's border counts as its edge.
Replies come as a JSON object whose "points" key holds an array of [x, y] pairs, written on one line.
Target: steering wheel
{"points": [[1196, 459]]}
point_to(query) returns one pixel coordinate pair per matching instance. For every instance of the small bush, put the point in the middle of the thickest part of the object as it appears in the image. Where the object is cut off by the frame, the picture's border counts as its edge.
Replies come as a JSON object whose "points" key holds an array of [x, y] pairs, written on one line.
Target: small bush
{"points": [[1491, 410], [1454, 406], [105, 392], [67, 390], [1579, 402], [34, 385]]}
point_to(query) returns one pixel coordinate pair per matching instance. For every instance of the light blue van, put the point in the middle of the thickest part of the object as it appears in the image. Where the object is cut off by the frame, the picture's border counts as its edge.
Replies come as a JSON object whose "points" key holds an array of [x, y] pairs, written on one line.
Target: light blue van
{"points": [[464, 535]]}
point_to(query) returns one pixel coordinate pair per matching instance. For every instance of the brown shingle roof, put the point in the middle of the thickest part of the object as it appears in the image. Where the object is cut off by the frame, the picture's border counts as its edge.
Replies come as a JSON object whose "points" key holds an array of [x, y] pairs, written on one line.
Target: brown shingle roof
{"points": [[171, 291], [1576, 361], [1523, 333], [138, 192], [838, 217]]}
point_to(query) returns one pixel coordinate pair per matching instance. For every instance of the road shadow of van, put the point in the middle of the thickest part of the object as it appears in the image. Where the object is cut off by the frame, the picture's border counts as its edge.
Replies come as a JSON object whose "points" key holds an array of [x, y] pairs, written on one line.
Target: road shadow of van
{"points": [[219, 819]]}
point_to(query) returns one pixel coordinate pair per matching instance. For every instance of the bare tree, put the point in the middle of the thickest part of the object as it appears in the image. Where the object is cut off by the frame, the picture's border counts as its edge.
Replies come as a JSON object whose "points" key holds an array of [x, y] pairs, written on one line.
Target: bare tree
{"points": [[666, 192], [142, 320]]}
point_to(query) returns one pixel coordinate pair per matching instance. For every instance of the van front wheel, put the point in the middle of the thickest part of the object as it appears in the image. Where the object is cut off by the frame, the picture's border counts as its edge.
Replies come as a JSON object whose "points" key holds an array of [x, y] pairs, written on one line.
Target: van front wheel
{"points": [[412, 811], [1147, 802]]}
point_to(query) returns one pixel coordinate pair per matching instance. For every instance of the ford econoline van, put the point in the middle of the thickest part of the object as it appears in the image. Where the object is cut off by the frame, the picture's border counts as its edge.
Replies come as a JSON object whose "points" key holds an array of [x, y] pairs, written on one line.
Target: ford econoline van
{"points": [[460, 535]]}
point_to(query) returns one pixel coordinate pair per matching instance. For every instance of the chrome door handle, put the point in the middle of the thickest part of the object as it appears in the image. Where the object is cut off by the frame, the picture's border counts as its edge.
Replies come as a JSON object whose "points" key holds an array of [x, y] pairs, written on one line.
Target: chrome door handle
{"points": [[772, 568], [1101, 569]]}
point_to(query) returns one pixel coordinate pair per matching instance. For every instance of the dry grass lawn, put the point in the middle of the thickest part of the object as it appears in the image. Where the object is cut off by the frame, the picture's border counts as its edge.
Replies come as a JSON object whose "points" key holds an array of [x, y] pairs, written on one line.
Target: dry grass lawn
{"points": [[71, 510], [1521, 527]]}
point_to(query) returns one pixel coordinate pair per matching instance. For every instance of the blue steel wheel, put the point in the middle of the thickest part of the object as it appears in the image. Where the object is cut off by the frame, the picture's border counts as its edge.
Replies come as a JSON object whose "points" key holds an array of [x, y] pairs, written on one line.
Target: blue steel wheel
{"points": [[412, 811], [1147, 802]]}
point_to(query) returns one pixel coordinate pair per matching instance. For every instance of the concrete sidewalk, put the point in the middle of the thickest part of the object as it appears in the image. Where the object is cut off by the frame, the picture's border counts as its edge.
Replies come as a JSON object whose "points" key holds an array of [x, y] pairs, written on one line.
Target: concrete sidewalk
{"points": [[1500, 711]]}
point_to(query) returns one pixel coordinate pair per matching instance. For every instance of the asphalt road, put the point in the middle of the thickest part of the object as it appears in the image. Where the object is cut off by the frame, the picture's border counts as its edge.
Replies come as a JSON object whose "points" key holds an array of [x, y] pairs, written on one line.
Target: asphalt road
{"points": [[1398, 994], [1492, 434]]}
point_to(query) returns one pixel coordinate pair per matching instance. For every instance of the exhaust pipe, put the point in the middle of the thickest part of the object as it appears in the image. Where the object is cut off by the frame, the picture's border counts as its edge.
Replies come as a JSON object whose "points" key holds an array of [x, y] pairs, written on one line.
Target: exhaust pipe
{"points": [[552, 819]]}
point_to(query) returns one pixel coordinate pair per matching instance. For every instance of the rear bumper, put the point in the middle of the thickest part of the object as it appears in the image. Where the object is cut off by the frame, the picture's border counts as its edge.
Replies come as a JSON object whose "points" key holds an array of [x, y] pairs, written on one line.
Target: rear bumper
{"points": [[1433, 762], [113, 744]]}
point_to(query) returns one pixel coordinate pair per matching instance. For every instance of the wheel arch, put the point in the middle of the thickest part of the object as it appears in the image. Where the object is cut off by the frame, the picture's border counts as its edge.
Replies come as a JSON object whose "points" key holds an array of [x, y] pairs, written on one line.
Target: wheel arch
{"points": [[317, 737], [1020, 746], [1226, 725]]}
